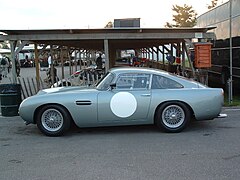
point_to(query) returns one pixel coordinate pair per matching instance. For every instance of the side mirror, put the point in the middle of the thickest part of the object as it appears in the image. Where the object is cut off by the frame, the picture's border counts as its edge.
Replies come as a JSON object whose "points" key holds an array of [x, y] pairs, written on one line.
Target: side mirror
{"points": [[113, 86]]}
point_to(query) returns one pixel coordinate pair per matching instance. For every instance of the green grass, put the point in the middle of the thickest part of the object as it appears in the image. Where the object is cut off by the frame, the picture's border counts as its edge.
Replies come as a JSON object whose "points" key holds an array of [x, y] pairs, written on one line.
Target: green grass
{"points": [[236, 101]]}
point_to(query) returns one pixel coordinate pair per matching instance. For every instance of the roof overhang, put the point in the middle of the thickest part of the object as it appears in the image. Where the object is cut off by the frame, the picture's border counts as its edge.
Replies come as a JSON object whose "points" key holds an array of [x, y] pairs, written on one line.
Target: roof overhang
{"points": [[117, 37]]}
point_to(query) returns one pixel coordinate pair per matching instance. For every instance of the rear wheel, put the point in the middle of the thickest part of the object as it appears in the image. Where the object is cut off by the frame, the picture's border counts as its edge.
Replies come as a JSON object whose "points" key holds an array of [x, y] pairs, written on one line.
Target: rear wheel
{"points": [[173, 116], [53, 120]]}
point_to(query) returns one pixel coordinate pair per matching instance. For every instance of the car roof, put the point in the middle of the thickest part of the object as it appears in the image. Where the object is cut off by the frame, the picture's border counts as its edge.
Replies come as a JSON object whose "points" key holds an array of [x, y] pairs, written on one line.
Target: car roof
{"points": [[118, 70], [184, 81]]}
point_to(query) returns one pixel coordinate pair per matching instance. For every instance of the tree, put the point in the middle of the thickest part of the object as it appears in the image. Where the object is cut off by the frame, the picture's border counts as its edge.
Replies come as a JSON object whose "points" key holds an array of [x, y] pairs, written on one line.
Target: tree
{"points": [[109, 25], [213, 4], [4, 45], [185, 16]]}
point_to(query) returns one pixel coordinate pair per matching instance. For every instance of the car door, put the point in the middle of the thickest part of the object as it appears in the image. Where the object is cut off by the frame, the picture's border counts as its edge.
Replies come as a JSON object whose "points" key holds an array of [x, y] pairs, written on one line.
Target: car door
{"points": [[128, 101]]}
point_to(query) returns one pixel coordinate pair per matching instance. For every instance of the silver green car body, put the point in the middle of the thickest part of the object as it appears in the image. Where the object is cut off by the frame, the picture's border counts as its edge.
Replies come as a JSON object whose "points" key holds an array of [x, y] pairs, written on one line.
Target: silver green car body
{"points": [[110, 105]]}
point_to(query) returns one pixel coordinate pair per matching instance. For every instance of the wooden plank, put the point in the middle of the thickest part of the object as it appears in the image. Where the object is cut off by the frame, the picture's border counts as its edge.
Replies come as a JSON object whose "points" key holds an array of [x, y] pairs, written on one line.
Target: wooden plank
{"points": [[25, 86], [35, 89], [22, 91], [29, 86]]}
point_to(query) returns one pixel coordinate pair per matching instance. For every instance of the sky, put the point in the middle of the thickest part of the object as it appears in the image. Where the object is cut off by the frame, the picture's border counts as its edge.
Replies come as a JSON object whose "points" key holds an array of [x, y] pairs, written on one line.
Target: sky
{"points": [[85, 14]]}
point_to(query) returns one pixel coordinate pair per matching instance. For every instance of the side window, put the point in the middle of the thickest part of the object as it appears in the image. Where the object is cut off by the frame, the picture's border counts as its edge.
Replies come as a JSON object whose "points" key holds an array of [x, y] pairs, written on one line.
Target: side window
{"points": [[161, 82], [105, 82], [133, 81]]}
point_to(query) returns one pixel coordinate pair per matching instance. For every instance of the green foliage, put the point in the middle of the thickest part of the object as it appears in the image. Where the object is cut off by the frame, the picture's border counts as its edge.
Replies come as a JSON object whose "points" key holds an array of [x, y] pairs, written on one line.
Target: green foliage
{"points": [[109, 25], [185, 17], [236, 100], [213, 4]]}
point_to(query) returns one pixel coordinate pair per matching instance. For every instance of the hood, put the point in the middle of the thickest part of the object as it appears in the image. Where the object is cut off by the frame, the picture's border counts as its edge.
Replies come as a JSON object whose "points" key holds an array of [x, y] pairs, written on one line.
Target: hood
{"points": [[63, 89]]}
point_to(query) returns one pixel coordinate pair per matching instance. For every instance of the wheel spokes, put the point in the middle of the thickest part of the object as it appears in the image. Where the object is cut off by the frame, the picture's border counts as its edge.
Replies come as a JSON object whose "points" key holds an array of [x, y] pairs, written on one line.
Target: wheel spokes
{"points": [[173, 116], [52, 120]]}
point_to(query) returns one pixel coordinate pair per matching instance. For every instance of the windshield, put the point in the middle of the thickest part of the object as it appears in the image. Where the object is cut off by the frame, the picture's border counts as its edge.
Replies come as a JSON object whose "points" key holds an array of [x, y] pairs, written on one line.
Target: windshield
{"points": [[105, 82]]}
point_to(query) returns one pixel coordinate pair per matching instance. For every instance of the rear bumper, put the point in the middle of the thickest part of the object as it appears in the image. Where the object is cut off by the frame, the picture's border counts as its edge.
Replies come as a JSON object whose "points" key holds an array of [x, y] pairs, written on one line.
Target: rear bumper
{"points": [[222, 116]]}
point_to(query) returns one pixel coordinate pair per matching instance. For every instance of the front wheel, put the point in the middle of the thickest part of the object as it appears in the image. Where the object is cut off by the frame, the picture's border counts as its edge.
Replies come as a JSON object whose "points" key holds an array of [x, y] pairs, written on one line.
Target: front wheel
{"points": [[53, 120], [173, 116]]}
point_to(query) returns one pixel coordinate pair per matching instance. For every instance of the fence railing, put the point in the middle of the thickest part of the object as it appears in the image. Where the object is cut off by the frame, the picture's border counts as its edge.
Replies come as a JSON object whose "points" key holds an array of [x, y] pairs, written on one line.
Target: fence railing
{"points": [[29, 84]]}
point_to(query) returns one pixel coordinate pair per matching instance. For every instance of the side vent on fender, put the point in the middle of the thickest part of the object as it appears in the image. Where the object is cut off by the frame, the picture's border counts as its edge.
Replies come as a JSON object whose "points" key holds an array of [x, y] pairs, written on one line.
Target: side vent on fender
{"points": [[83, 102]]}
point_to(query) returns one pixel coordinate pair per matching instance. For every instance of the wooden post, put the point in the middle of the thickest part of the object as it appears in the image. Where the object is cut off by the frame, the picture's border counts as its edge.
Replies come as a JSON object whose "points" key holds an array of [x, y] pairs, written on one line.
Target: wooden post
{"points": [[106, 50], [37, 66], [80, 59], [183, 58], [62, 63], [158, 59], [13, 59], [75, 59], [69, 59], [52, 66]]}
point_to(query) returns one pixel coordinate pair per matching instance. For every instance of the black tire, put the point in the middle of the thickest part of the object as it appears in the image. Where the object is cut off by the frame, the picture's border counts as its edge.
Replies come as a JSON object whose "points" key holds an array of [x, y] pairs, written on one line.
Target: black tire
{"points": [[173, 116], [53, 120]]}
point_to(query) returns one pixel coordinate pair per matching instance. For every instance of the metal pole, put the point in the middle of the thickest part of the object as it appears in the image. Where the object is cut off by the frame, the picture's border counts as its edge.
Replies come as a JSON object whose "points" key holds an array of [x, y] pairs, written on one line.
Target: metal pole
{"points": [[230, 46]]}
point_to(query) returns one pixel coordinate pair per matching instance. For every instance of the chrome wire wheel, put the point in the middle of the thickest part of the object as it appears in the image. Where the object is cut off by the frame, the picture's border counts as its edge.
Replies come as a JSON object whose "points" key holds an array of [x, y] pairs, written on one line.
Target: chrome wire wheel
{"points": [[173, 116], [52, 120]]}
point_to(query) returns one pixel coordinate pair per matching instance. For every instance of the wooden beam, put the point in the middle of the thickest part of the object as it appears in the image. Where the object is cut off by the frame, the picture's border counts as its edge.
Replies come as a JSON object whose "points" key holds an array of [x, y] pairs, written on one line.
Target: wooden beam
{"points": [[13, 59], [37, 66], [106, 52]]}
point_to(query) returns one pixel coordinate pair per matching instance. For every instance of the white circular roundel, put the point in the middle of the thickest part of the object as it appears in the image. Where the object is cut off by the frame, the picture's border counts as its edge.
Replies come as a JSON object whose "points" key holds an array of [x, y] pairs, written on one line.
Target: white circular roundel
{"points": [[123, 104]]}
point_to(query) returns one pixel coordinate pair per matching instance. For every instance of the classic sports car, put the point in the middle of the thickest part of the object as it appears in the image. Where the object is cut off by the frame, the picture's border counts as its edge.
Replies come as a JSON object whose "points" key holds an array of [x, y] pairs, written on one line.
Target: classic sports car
{"points": [[125, 96]]}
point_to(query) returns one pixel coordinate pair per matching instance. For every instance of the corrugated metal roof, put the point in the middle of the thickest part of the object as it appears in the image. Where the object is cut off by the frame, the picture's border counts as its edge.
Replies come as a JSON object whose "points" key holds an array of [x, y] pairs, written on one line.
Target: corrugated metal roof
{"points": [[93, 38]]}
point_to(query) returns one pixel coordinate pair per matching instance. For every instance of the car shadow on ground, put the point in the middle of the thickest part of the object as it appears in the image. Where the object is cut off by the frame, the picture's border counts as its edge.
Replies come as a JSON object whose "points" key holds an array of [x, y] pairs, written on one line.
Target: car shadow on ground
{"points": [[114, 130], [135, 129], [201, 126]]}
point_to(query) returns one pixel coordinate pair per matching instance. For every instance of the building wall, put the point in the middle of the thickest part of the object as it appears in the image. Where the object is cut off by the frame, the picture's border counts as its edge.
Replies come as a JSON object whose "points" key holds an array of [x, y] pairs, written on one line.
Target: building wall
{"points": [[219, 17]]}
